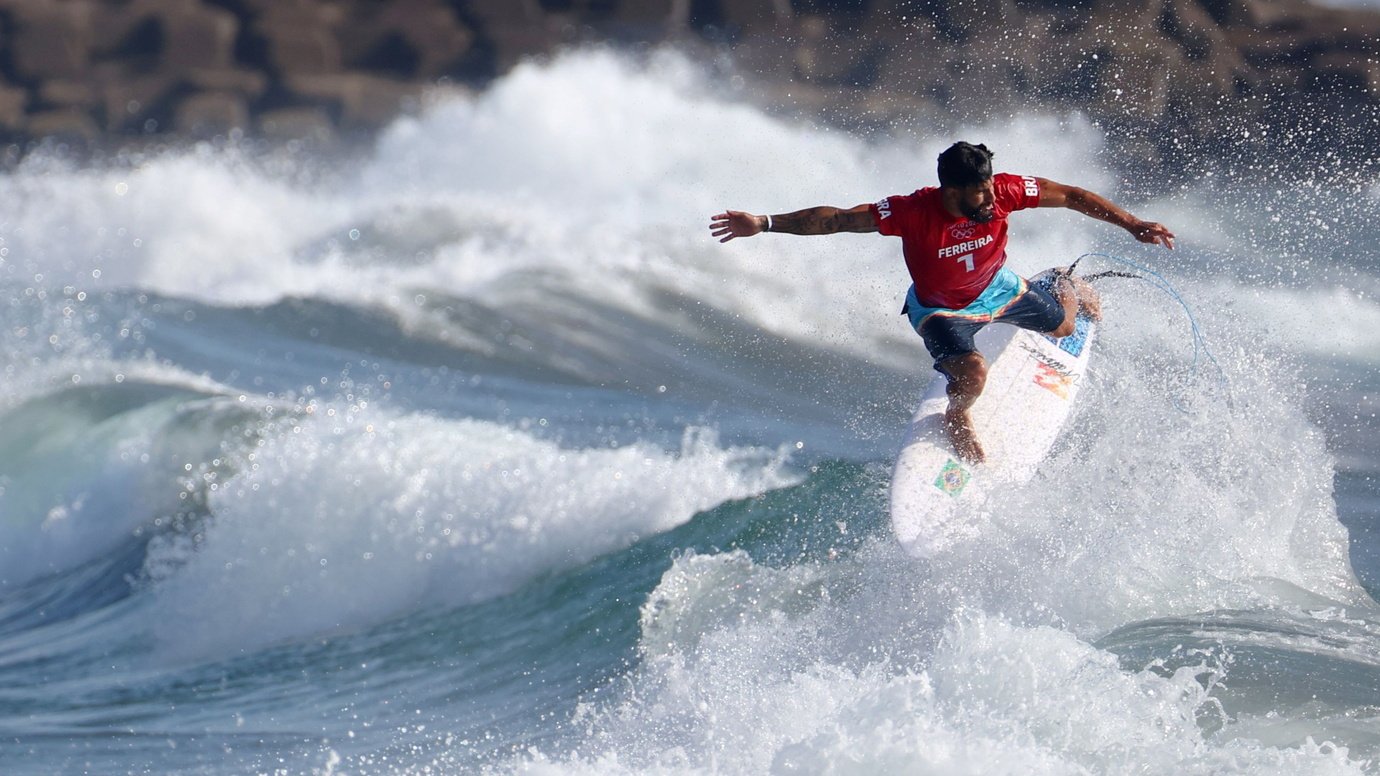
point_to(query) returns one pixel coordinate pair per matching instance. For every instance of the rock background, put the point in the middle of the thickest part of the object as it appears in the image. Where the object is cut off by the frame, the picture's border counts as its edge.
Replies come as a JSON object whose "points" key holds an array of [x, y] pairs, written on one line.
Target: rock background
{"points": [[1174, 81]]}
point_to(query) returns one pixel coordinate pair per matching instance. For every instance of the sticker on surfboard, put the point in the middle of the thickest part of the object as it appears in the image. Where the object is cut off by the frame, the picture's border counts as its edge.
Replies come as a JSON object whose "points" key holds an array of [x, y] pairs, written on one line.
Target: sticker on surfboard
{"points": [[952, 478]]}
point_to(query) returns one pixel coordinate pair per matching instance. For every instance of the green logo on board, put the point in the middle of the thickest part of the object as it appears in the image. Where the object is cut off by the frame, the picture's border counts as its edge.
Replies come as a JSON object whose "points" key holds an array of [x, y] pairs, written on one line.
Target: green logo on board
{"points": [[952, 478]]}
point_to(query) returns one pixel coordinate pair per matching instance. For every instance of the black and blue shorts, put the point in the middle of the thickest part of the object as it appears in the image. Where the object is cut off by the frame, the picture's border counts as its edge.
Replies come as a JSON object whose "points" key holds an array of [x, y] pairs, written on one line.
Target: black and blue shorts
{"points": [[1009, 298]]}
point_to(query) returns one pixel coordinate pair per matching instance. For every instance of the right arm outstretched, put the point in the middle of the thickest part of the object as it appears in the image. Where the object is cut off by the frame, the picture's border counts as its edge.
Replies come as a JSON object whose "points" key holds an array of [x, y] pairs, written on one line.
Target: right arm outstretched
{"points": [[811, 220]]}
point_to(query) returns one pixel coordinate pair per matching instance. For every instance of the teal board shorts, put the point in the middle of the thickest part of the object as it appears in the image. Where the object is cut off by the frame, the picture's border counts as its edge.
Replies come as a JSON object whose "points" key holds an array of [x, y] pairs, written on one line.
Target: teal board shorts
{"points": [[1009, 298]]}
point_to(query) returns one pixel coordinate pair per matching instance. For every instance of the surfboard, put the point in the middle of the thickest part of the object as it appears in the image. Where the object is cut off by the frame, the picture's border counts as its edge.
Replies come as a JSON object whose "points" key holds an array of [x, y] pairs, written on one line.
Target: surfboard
{"points": [[1032, 379]]}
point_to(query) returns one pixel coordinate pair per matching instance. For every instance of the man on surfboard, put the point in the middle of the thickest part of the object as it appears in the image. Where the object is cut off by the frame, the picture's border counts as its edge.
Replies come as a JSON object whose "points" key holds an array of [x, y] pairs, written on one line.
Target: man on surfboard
{"points": [[953, 237]]}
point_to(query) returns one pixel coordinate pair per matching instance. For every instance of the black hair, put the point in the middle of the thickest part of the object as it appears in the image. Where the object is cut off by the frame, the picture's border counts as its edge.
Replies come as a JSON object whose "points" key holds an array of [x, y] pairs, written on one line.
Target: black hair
{"points": [[964, 164]]}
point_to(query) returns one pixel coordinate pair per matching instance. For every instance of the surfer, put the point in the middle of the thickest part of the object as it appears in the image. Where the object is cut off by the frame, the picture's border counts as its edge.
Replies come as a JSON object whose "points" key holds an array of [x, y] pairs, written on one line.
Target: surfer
{"points": [[953, 237]]}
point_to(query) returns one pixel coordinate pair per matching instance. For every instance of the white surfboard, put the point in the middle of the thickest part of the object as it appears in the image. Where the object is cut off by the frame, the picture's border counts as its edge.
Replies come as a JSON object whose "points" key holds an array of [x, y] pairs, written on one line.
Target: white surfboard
{"points": [[1032, 379]]}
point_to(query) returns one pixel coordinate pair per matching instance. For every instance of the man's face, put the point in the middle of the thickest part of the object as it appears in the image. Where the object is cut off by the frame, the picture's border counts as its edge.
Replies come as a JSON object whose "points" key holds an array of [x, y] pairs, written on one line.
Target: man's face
{"points": [[976, 202]]}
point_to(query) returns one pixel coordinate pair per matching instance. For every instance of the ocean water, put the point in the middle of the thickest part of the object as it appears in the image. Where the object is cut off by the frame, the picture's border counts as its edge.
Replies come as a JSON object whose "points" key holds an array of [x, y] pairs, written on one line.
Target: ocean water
{"points": [[473, 452]]}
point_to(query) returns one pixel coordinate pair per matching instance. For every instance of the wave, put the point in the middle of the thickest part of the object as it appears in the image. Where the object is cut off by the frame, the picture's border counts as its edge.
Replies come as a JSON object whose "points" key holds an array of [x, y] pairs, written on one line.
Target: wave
{"points": [[86, 467], [272, 412], [827, 672], [316, 517], [347, 520]]}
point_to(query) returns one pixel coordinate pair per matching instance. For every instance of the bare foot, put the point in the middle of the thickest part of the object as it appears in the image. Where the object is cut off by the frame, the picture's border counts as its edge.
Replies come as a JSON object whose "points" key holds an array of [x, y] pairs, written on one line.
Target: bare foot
{"points": [[959, 426], [1089, 301]]}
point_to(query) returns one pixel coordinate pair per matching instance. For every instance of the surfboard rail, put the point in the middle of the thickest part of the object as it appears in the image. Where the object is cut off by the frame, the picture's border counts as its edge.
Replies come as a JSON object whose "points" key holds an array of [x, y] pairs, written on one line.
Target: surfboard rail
{"points": [[1032, 381]]}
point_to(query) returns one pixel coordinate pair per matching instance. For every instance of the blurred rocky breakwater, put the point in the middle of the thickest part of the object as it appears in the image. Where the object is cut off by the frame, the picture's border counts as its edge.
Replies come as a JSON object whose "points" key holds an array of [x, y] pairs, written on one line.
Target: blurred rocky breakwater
{"points": [[1169, 79], [83, 69]]}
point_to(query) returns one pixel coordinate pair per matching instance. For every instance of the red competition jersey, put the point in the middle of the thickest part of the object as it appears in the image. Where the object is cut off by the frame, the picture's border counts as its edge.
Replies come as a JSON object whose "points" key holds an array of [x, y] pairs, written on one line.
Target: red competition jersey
{"points": [[951, 259]]}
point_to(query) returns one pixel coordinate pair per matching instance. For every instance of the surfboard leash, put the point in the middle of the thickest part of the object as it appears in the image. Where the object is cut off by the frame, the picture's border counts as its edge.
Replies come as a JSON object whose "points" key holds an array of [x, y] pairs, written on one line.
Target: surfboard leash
{"points": [[1200, 347], [1111, 273]]}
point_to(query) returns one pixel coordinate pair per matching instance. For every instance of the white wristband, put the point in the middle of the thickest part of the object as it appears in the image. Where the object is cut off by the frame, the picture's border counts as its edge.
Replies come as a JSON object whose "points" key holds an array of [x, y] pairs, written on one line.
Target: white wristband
{"points": [[768, 229]]}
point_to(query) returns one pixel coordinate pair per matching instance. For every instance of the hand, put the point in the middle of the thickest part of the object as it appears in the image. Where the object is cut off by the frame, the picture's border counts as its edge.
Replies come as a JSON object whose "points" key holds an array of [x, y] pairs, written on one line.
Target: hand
{"points": [[1153, 233], [733, 223]]}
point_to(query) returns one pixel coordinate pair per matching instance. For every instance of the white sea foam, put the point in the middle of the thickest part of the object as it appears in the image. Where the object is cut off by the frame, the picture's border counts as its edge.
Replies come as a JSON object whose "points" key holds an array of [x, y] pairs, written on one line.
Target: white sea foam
{"points": [[595, 174], [983, 660], [201, 224], [1337, 324], [597, 171], [827, 676], [341, 521], [824, 677]]}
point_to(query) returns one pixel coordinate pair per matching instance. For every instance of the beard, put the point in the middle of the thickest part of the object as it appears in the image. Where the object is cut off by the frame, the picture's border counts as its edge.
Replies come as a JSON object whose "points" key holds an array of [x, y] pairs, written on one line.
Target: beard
{"points": [[978, 215]]}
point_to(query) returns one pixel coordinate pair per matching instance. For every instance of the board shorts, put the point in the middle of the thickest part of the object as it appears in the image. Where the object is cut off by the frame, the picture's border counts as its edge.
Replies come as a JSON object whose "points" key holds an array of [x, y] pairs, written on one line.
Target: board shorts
{"points": [[1009, 298]]}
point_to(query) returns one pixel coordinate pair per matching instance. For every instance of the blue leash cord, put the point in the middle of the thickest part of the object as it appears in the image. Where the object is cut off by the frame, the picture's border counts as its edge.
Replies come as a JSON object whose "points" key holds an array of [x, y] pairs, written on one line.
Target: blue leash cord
{"points": [[1200, 348]]}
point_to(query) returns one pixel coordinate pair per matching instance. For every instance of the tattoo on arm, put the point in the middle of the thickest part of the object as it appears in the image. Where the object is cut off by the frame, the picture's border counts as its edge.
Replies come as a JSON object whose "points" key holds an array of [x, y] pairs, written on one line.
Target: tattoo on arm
{"points": [[825, 220]]}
